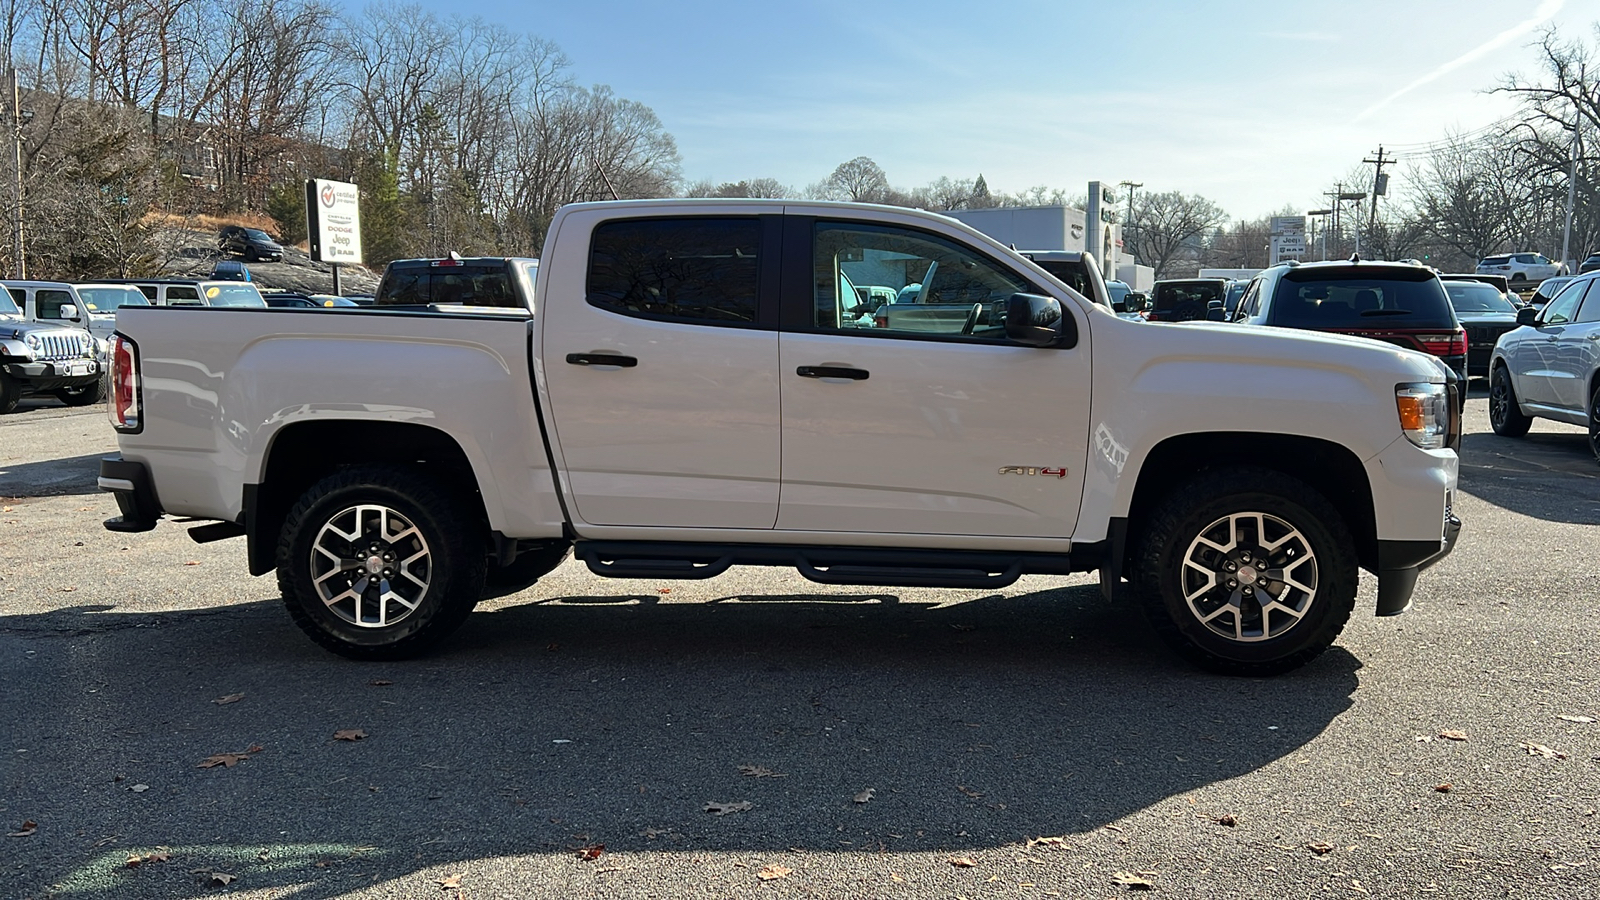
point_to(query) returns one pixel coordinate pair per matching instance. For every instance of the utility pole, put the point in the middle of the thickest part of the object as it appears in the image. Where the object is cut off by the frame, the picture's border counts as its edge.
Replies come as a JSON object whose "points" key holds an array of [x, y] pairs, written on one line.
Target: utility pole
{"points": [[1380, 186], [1572, 179], [1338, 233]]}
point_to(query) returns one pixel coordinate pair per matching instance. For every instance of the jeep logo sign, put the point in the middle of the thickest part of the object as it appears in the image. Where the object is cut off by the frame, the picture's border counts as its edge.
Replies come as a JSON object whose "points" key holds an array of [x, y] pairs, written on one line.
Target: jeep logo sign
{"points": [[333, 220]]}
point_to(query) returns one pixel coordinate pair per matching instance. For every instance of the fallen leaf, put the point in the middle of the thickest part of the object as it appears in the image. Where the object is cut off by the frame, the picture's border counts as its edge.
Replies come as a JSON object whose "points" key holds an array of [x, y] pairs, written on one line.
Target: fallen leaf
{"points": [[773, 873], [349, 734], [1227, 820], [1581, 720], [451, 882], [663, 590], [231, 698], [222, 878], [1541, 750], [722, 809], [968, 791], [1453, 735], [133, 861], [1445, 788], [28, 828], [1319, 848], [157, 857], [139, 788], [196, 562], [760, 772], [864, 796], [380, 683], [1047, 842], [962, 862], [226, 760], [1133, 882], [592, 851]]}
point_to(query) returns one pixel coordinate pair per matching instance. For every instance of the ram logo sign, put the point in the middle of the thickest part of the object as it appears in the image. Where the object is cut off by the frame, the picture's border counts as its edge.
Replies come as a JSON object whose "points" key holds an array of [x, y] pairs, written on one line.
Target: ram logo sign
{"points": [[1059, 472]]}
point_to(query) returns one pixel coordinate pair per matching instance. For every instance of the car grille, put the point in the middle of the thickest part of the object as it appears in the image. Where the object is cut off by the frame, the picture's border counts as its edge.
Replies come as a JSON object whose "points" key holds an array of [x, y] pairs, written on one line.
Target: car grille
{"points": [[1486, 335], [58, 345]]}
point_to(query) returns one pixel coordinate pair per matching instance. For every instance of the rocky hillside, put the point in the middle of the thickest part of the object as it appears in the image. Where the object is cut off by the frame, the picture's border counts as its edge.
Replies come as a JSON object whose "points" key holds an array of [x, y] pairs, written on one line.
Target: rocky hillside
{"points": [[190, 253]]}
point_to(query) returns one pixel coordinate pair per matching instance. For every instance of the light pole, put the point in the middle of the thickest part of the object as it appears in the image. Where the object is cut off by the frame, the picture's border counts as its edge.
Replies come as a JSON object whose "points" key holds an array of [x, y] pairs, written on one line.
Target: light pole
{"points": [[1130, 185], [1323, 214], [18, 118]]}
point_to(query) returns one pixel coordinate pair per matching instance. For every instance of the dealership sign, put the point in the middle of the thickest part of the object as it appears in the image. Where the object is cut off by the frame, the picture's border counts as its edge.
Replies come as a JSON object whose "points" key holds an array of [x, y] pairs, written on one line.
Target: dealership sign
{"points": [[333, 220]]}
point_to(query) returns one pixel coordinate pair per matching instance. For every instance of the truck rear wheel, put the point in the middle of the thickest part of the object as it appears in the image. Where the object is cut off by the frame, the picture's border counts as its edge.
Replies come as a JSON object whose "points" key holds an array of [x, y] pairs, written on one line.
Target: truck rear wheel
{"points": [[379, 562], [1246, 571]]}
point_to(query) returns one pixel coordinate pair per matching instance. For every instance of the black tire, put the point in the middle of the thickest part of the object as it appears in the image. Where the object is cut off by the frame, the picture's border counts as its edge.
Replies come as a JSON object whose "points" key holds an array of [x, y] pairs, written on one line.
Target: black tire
{"points": [[525, 570], [442, 586], [1505, 413], [10, 393], [83, 395], [1594, 422], [1298, 527]]}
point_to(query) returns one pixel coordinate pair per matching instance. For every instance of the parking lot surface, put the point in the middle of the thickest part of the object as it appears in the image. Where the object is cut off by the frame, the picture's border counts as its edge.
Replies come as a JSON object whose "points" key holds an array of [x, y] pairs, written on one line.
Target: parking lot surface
{"points": [[165, 731]]}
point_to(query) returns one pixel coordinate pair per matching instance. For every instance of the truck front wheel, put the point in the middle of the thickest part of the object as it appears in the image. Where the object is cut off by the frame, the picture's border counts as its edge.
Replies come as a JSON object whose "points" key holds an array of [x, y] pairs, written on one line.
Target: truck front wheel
{"points": [[1246, 571], [379, 562]]}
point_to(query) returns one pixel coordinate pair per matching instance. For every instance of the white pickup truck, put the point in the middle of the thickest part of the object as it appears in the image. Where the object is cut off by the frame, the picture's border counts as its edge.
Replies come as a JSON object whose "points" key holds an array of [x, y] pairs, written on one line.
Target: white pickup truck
{"points": [[693, 390]]}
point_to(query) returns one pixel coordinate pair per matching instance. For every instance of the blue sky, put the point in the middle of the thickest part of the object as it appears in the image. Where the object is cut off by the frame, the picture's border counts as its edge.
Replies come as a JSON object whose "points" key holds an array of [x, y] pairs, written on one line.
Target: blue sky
{"points": [[1253, 104]]}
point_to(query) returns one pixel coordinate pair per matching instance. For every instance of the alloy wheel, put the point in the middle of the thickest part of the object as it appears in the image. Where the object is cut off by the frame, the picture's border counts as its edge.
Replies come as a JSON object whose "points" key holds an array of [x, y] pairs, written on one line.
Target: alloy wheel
{"points": [[371, 565], [1249, 576]]}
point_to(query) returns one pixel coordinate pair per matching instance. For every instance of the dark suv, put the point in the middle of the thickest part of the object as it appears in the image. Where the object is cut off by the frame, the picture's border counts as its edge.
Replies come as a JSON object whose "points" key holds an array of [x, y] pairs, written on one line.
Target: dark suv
{"points": [[1398, 303], [1186, 299], [473, 281], [250, 243]]}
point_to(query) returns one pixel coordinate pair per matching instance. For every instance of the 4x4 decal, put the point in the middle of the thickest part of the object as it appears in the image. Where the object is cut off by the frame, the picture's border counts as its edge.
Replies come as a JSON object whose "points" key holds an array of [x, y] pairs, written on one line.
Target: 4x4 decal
{"points": [[1060, 472]]}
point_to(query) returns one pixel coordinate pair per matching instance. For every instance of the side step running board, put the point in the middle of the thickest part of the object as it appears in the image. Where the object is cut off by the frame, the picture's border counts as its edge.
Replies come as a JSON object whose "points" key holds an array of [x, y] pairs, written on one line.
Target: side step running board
{"points": [[865, 566]]}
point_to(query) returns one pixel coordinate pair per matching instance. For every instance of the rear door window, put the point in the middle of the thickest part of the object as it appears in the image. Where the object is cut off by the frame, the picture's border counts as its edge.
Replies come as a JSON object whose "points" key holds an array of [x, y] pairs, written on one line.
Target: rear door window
{"points": [[183, 295], [1354, 298], [693, 269]]}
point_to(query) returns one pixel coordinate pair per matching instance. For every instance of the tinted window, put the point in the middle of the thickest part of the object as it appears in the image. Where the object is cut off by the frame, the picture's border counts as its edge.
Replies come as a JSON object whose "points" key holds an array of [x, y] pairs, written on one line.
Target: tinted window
{"points": [[696, 269], [255, 235], [1361, 298], [48, 304], [880, 280], [405, 287], [1472, 296], [234, 295], [1590, 311], [106, 299], [1071, 274], [473, 286], [148, 290], [1187, 300], [182, 295]]}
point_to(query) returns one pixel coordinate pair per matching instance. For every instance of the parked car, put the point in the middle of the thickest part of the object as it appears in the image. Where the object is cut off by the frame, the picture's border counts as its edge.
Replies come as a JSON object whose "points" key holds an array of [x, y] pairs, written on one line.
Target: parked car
{"points": [[1547, 289], [1498, 282], [452, 281], [1590, 264], [46, 358], [1486, 314], [1549, 367], [250, 243], [1521, 268], [194, 292], [1077, 270], [230, 270], [57, 303], [293, 300], [1397, 303], [1186, 299], [677, 404]]}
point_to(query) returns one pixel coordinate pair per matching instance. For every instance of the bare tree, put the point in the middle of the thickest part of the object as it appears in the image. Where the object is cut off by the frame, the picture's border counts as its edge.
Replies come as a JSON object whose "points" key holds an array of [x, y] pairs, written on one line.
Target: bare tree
{"points": [[860, 179], [1169, 229]]}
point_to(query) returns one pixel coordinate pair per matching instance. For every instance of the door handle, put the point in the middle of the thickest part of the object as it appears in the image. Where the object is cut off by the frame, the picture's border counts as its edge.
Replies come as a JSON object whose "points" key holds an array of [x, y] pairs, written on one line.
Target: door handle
{"points": [[602, 359], [832, 372]]}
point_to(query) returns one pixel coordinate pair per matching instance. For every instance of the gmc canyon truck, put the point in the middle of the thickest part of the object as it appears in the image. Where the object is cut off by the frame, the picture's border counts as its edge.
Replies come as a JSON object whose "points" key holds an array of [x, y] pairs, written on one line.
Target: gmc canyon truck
{"points": [[694, 390]]}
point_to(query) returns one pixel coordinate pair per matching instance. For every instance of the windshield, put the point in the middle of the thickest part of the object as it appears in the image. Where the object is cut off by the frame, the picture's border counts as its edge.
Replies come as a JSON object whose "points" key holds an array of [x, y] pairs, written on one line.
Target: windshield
{"points": [[1235, 291], [256, 234], [109, 299], [1472, 296], [1191, 296], [1365, 297], [7, 306], [234, 294]]}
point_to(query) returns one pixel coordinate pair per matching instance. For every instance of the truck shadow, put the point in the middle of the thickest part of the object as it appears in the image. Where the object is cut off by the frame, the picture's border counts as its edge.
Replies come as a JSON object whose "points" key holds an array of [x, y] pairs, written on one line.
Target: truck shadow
{"points": [[51, 477], [547, 726]]}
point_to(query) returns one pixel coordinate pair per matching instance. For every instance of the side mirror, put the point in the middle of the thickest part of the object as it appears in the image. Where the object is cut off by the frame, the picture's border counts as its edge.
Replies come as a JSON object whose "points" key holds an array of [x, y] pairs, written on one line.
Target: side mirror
{"points": [[1527, 315], [1136, 301], [70, 313], [1035, 321], [1214, 312]]}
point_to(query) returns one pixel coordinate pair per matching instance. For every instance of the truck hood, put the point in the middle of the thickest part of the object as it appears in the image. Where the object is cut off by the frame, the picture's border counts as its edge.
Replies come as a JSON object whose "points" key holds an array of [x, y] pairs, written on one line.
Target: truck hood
{"points": [[1239, 345]]}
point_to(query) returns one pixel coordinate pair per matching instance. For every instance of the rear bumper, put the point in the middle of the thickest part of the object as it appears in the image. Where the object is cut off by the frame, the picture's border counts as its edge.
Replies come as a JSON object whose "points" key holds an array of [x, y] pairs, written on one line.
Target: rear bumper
{"points": [[130, 483]]}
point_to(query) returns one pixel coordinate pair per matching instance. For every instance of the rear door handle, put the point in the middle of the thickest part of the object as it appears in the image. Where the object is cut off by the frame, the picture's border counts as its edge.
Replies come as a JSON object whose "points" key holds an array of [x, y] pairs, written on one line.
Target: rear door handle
{"points": [[832, 372], [602, 359]]}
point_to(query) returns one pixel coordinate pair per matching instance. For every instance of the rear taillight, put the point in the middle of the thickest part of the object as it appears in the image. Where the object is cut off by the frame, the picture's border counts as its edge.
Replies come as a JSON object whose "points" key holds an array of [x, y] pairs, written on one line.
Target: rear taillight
{"points": [[1445, 344], [124, 405]]}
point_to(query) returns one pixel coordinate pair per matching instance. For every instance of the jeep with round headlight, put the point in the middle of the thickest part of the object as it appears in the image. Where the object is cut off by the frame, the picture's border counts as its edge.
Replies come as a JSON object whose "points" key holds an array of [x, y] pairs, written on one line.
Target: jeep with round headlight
{"points": [[46, 359]]}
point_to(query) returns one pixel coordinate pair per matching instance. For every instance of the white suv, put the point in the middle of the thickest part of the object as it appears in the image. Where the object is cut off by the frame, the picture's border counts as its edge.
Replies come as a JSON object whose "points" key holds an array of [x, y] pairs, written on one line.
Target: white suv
{"points": [[1521, 268]]}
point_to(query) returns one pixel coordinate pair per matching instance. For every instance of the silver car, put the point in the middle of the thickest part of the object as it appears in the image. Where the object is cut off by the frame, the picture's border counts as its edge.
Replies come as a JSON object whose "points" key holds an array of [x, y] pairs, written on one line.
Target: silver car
{"points": [[1549, 366]]}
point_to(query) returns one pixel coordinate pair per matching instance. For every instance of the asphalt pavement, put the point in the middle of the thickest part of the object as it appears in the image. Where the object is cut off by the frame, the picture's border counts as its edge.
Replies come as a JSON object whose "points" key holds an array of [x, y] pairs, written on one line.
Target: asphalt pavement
{"points": [[165, 731]]}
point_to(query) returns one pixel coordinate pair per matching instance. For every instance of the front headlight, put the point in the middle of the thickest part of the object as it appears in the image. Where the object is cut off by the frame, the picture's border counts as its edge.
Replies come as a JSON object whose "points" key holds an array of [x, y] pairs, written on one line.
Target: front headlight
{"points": [[32, 340], [87, 345], [1424, 413]]}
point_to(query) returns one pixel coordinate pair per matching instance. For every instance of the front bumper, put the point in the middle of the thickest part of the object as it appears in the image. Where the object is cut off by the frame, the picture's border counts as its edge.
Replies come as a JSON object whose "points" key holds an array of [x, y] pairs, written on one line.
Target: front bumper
{"points": [[47, 374], [136, 497], [1400, 562]]}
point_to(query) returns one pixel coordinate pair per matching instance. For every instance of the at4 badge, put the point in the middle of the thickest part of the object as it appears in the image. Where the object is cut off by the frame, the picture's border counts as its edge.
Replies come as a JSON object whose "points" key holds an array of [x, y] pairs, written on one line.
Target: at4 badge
{"points": [[1034, 470]]}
